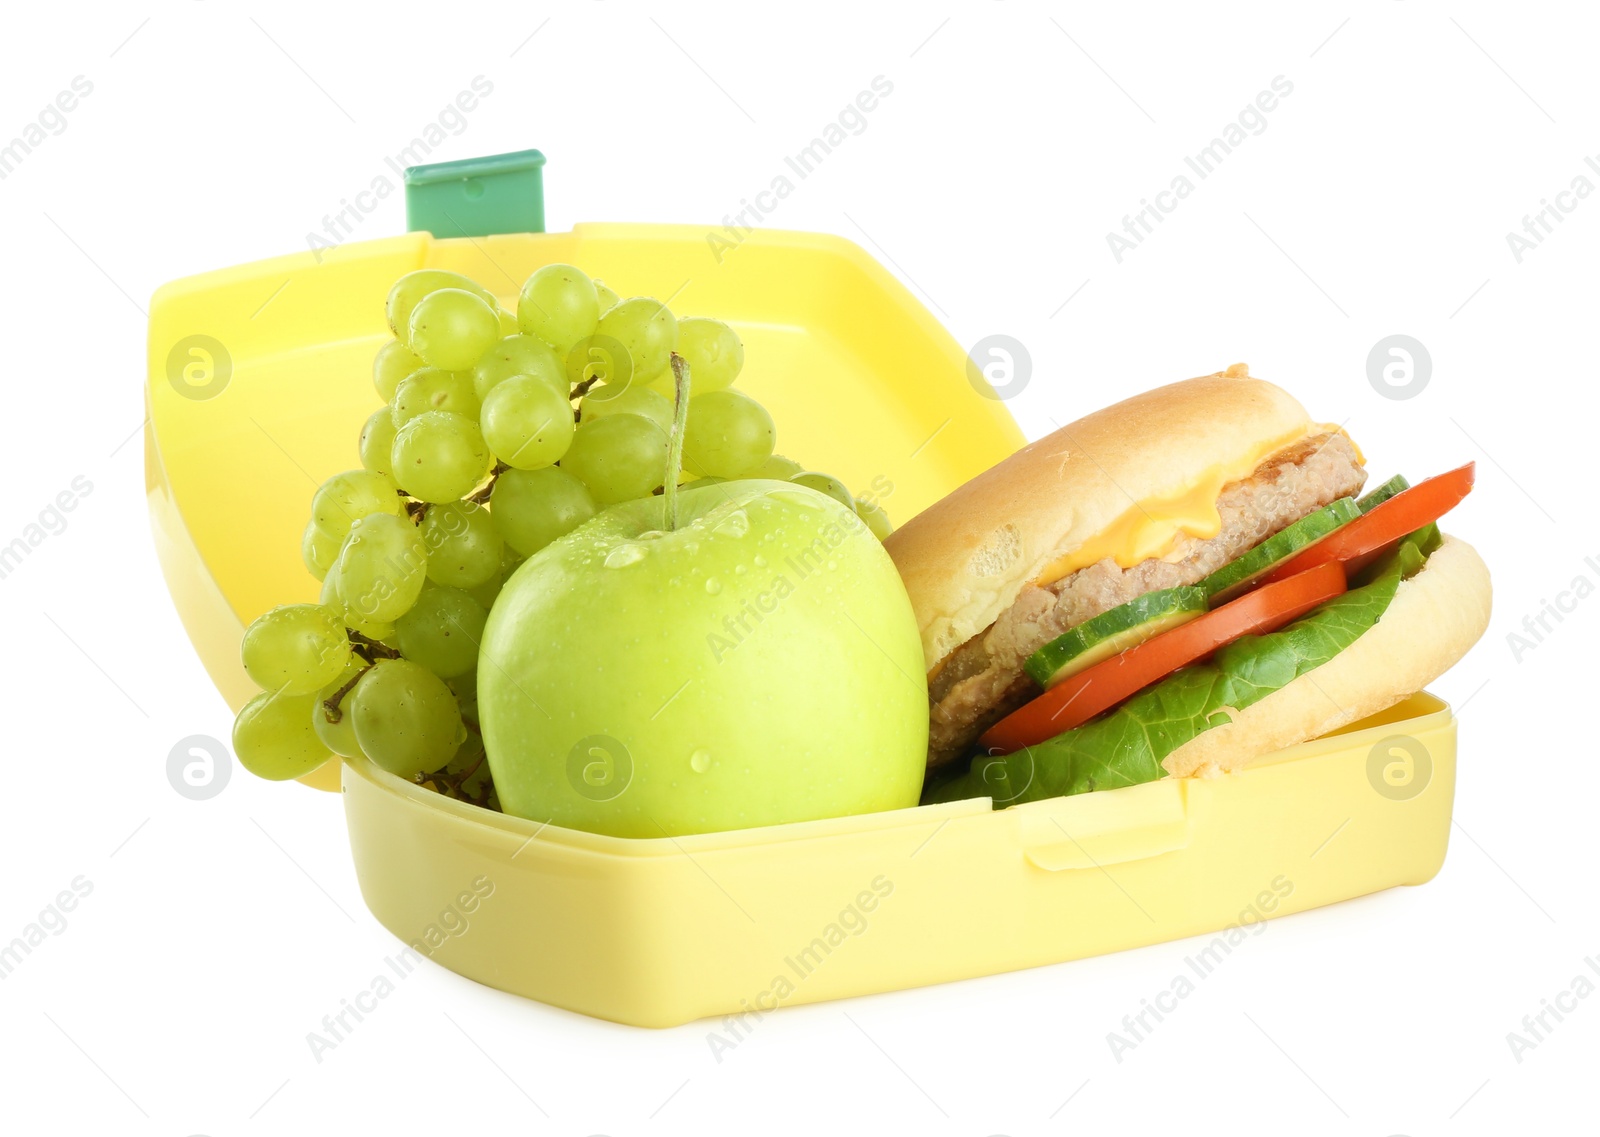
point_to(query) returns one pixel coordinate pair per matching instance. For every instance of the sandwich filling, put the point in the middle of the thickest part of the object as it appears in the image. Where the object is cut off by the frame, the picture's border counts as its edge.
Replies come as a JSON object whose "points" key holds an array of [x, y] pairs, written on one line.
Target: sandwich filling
{"points": [[1135, 742], [983, 680]]}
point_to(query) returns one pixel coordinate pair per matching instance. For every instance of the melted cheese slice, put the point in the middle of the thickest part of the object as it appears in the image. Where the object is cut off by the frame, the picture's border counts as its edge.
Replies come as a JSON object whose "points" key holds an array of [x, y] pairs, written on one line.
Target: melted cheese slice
{"points": [[1155, 527]]}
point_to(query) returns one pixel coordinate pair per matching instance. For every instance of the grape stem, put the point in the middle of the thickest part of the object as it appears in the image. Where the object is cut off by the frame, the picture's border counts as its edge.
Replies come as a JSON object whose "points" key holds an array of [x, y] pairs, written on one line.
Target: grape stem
{"points": [[481, 494], [680, 418], [443, 777], [331, 709], [579, 392], [370, 649]]}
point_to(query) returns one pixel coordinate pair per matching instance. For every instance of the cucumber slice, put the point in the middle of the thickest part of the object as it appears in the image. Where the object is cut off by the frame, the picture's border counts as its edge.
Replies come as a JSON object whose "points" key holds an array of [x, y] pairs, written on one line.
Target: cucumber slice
{"points": [[1114, 632], [1383, 493], [1235, 577]]}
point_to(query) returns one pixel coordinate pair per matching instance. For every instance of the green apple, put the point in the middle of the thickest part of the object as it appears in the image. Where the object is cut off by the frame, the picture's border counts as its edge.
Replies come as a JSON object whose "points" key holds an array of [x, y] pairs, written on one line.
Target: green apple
{"points": [[756, 665]]}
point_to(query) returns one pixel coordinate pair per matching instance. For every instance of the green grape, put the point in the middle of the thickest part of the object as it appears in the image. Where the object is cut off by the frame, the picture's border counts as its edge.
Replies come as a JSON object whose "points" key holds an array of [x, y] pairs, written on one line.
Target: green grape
{"points": [[608, 299], [464, 547], [702, 483], [831, 486], [618, 458], [442, 631], [559, 305], [778, 468], [487, 592], [409, 290], [339, 737], [439, 456], [628, 400], [465, 689], [527, 424], [346, 498], [319, 549], [433, 389], [511, 560], [406, 719], [519, 355], [453, 328], [647, 333], [296, 649], [531, 508], [508, 322], [377, 440], [728, 435], [598, 359], [273, 737], [469, 769], [874, 517], [381, 568], [333, 598], [393, 363], [379, 633], [713, 352]]}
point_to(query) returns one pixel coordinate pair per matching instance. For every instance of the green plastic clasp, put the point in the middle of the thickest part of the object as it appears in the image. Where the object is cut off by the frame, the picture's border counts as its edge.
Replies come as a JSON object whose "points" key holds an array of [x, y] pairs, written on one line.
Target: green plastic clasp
{"points": [[477, 197]]}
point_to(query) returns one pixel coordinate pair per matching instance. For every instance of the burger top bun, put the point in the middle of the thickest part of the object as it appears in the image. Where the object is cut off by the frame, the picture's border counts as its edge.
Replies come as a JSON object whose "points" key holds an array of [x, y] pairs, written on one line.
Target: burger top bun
{"points": [[965, 559]]}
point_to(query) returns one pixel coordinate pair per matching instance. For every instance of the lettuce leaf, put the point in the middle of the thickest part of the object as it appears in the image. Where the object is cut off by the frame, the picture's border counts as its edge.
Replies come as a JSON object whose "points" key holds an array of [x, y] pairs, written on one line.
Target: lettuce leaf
{"points": [[1126, 745]]}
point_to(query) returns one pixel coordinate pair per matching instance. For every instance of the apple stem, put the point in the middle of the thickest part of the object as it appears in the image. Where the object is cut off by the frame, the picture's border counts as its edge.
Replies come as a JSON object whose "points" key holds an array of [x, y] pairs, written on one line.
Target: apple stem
{"points": [[680, 417]]}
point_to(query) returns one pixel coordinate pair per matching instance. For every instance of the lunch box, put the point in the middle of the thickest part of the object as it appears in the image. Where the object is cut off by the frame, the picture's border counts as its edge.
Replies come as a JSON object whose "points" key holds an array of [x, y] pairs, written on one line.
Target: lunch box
{"points": [[259, 381]]}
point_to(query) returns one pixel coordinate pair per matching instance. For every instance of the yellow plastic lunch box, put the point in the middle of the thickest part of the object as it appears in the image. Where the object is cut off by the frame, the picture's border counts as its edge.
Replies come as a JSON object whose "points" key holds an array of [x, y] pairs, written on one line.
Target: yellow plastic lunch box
{"points": [[258, 385]]}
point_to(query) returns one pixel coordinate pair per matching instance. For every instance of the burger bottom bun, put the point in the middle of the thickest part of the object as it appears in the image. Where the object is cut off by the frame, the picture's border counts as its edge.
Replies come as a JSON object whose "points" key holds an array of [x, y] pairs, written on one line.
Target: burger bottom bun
{"points": [[1431, 622]]}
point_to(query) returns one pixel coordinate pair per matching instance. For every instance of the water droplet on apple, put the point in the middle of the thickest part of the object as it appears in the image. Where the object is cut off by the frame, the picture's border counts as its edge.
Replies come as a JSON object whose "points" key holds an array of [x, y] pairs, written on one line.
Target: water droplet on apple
{"points": [[761, 562], [739, 570], [624, 555], [832, 565], [700, 761], [713, 585], [735, 524]]}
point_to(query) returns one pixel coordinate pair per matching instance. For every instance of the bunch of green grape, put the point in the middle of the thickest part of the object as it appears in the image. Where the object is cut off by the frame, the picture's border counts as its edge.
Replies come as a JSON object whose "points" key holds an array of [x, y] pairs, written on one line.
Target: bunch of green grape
{"points": [[498, 435]]}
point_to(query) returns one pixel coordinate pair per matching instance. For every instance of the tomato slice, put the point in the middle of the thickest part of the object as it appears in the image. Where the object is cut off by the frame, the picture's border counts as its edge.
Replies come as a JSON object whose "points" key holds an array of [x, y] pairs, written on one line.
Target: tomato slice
{"points": [[1361, 542], [1079, 698]]}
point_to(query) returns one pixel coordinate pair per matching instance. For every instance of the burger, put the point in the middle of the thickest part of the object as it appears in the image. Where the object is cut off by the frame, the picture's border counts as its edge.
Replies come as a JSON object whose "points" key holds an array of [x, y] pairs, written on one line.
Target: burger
{"points": [[1176, 585]]}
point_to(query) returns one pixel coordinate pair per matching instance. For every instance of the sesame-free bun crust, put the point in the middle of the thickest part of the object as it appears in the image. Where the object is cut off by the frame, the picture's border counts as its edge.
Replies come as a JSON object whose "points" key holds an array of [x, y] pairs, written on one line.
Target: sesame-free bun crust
{"points": [[965, 559], [1431, 622]]}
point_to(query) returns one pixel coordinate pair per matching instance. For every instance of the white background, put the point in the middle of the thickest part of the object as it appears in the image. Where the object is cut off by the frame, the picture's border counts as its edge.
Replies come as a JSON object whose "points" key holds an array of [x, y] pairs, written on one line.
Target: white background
{"points": [[218, 933]]}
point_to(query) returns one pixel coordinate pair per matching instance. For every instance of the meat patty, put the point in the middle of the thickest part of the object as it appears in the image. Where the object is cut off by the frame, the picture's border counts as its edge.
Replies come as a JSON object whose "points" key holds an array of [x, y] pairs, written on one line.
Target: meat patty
{"points": [[982, 681]]}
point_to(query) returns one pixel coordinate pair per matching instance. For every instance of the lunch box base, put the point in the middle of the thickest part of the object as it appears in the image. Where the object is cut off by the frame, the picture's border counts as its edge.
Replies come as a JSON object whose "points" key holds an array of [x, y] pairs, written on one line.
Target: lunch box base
{"points": [[660, 932], [257, 386]]}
